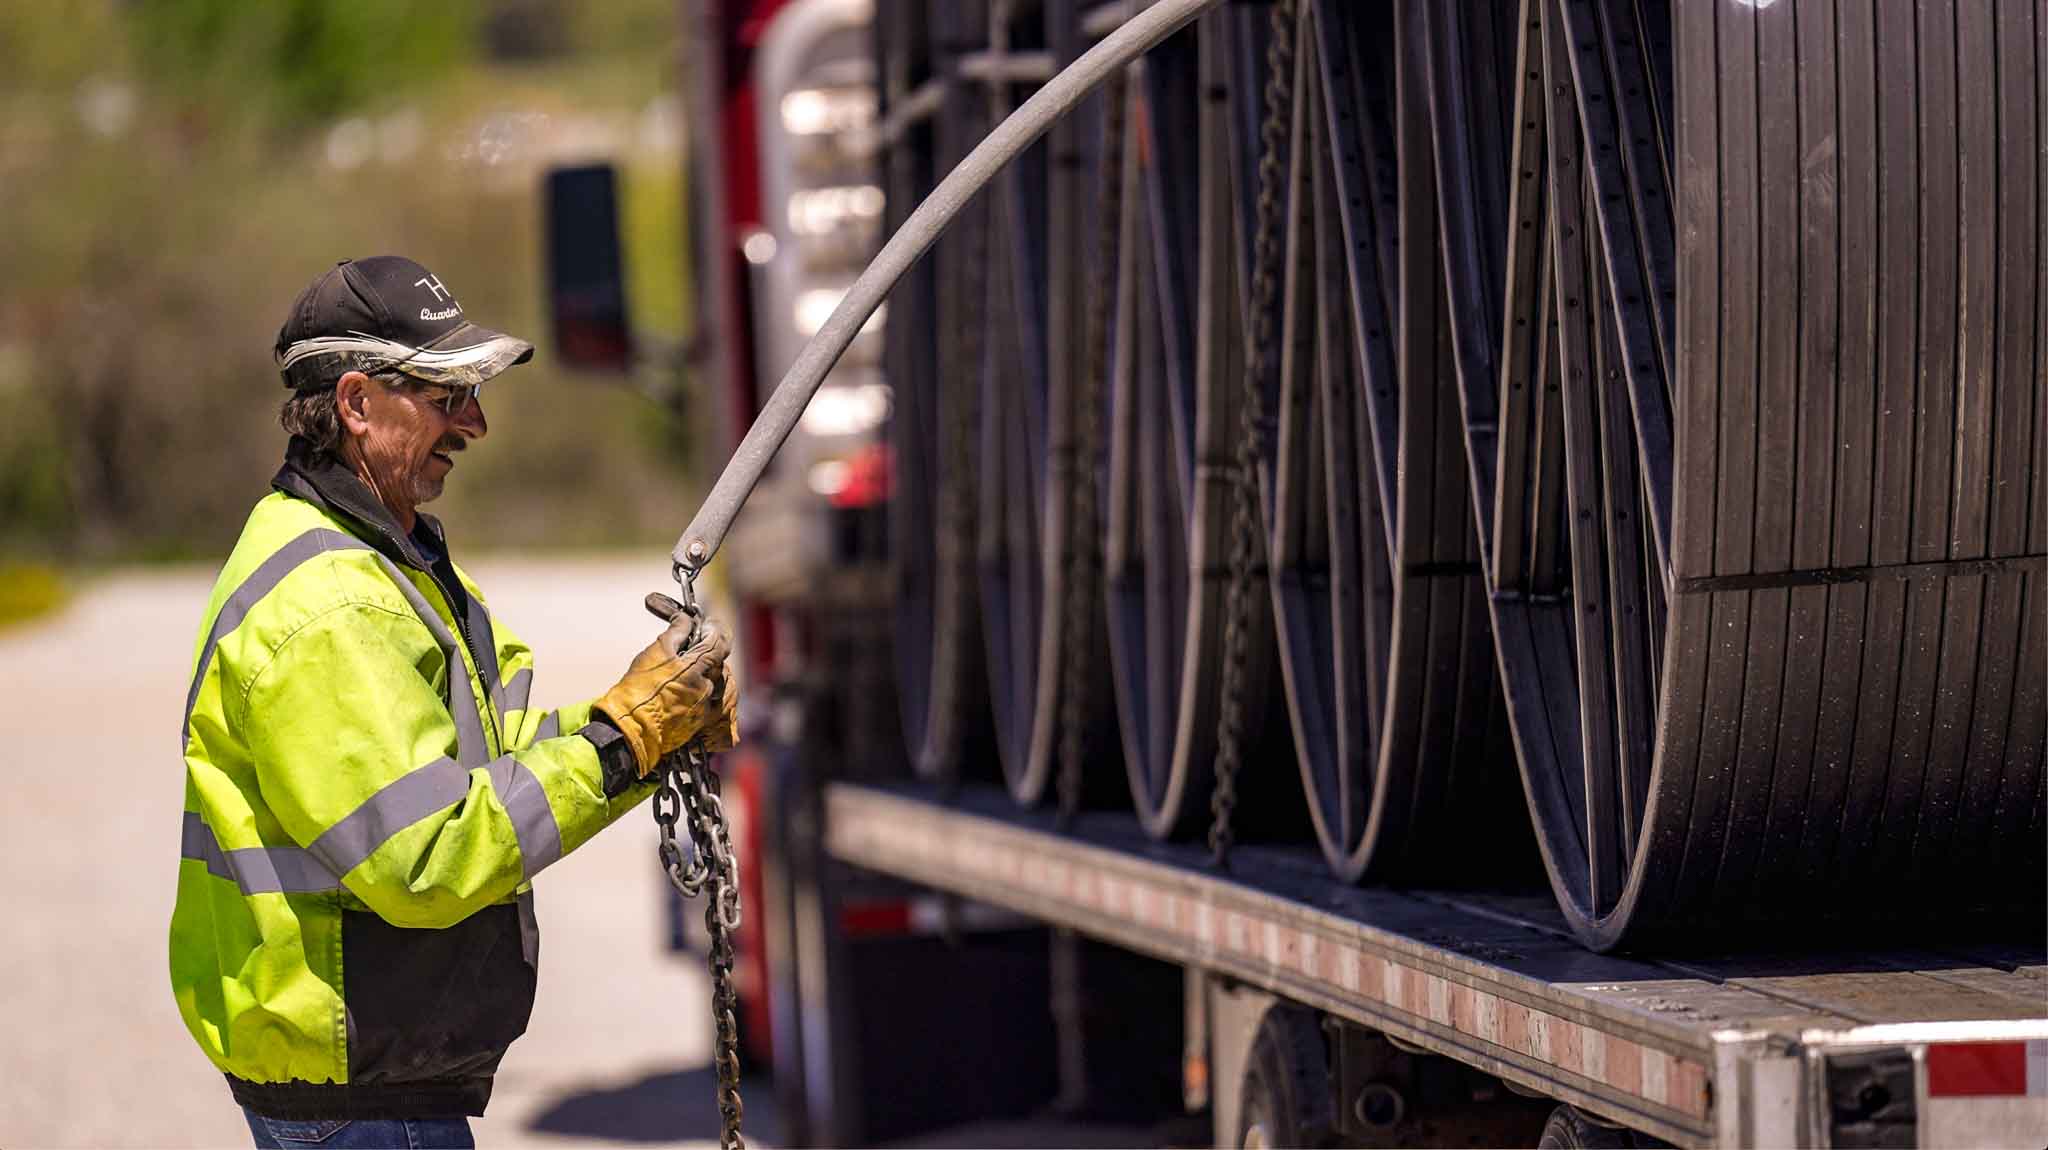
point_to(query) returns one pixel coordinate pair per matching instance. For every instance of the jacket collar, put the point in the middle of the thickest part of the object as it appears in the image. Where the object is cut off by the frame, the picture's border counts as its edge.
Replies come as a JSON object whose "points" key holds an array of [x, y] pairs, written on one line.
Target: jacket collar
{"points": [[327, 483]]}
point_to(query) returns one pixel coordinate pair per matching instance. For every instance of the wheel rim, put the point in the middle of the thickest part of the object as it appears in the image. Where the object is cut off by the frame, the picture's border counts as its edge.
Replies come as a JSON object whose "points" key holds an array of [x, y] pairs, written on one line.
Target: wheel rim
{"points": [[1167, 596], [1151, 455], [1014, 449], [1035, 385], [935, 355], [1398, 725], [1574, 396]]}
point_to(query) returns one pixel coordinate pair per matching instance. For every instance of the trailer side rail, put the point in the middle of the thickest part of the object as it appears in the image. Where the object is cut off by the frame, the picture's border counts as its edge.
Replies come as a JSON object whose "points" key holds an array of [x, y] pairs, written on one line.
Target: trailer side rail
{"points": [[1682, 1051]]}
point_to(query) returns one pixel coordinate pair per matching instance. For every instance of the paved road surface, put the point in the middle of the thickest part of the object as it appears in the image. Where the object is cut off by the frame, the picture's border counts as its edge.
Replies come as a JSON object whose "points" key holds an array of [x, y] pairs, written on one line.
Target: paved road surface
{"points": [[92, 1052]]}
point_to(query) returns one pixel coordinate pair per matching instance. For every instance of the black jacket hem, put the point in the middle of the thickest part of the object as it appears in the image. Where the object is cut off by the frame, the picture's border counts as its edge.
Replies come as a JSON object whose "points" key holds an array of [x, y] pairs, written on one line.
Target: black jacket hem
{"points": [[445, 1098]]}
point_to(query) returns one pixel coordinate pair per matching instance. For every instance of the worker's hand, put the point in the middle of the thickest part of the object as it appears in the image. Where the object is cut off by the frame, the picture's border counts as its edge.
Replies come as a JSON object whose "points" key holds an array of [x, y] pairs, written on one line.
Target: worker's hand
{"points": [[671, 696]]}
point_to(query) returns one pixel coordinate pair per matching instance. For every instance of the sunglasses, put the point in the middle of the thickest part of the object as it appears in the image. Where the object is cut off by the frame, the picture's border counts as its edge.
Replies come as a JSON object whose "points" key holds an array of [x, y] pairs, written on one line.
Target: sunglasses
{"points": [[450, 398]]}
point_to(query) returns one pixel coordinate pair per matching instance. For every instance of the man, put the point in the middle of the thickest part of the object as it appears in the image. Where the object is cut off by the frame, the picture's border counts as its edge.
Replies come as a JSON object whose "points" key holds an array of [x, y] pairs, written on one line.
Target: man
{"points": [[368, 793]]}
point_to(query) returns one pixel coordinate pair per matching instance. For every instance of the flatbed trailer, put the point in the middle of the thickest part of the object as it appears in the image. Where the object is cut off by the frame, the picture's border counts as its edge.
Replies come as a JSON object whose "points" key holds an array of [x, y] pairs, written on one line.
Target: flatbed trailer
{"points": [[1698, 480], [1934, 1046]]}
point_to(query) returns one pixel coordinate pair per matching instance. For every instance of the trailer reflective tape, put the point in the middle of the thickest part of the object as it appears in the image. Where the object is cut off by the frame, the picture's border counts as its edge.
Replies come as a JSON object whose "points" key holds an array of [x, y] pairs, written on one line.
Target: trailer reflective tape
{"points": [[1593, 1056], [1986, 1094], [470, 749], [924, 915], [990, 862], [1439, 993], [533, 820], [259, 583], [255, 870], [1621, 1064], [1956, 1069], [396, 806], [1655, 1074]]}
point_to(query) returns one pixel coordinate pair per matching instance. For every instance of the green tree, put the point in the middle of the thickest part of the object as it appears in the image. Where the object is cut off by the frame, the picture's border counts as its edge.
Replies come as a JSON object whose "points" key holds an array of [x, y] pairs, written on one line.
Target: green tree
{"points": [[166, 168], [299, 61]]}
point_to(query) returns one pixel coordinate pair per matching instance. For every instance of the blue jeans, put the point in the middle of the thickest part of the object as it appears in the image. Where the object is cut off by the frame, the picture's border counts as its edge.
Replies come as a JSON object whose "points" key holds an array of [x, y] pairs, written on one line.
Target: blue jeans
{"points": [[360, 1133]]}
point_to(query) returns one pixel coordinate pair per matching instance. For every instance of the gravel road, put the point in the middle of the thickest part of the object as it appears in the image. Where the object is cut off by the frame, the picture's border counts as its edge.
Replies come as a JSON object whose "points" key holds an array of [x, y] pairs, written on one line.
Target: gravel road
{"points": [[92, 1052]]}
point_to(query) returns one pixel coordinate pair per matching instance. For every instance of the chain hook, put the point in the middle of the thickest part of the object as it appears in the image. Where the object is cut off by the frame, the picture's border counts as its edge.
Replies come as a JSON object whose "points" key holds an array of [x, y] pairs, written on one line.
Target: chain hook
{"points": [[686, 584]]}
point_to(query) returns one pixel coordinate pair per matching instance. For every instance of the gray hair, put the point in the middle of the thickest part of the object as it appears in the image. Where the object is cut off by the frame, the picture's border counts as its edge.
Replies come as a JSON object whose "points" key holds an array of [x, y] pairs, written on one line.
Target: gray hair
{"points": [[309, 414]]}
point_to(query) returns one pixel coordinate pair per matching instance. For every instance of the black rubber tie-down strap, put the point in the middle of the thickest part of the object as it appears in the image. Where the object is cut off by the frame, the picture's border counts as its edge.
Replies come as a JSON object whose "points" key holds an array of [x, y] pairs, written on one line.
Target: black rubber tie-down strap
{"points": [[1826, 576]]}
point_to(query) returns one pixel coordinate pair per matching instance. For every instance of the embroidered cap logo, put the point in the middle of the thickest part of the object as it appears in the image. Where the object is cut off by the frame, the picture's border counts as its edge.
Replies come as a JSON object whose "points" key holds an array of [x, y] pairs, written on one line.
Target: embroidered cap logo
{"points": [[433, 284]]}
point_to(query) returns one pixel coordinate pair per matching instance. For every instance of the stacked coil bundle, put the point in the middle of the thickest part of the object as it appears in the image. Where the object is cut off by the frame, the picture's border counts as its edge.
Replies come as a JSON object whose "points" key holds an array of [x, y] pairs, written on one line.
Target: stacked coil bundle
{"points": [[1644, 404]]}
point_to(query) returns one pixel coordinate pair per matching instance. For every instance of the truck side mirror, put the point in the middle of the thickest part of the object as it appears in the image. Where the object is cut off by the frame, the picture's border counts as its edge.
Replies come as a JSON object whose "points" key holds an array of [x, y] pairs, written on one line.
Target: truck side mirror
{"points": [[586, 282]]}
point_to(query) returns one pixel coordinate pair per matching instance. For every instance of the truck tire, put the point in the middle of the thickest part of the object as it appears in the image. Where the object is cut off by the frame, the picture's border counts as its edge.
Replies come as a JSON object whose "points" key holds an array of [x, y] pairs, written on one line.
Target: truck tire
{"points": [[1285, 1097], [1570, 1129]]}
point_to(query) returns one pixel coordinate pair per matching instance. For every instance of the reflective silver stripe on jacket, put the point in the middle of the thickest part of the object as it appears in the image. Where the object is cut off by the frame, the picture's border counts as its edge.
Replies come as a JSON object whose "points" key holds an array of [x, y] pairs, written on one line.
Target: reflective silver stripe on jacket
{"points": [[469, 731], [397, 805], [514, 693], [402, 802], [470, 748], [431, 789], [260, 582], [533, 820], [256, 870]]}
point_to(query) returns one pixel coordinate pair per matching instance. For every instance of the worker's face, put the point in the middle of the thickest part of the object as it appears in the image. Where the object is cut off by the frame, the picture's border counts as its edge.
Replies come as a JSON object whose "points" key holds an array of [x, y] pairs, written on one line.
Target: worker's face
{"points": [[403, 436]]}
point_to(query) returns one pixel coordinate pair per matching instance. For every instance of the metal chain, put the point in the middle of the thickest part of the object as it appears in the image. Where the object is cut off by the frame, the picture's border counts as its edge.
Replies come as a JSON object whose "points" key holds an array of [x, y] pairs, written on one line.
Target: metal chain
{"points": [[1259, 363], [688, 790], [690, 786], [688, 874], [1084, 523]]}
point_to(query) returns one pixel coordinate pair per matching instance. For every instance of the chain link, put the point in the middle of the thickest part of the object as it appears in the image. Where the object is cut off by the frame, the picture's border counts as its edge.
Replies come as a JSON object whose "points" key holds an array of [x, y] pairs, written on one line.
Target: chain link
{"points": [[1259, 363], [1084, 521], [688, 792]]}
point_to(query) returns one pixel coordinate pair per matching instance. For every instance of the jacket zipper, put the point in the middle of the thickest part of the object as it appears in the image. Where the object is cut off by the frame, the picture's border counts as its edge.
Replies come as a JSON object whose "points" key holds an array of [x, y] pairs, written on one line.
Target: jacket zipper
{"points": [[486, 705]]}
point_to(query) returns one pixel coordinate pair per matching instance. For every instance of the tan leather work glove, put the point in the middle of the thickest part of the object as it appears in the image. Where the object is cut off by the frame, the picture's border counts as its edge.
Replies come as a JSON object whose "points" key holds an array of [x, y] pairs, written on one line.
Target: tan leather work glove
{"points": [[670, 696]]}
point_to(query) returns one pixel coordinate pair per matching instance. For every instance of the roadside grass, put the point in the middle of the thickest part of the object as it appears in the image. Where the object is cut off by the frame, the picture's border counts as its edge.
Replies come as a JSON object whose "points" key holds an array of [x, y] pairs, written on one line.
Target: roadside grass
{"points": [[29, 591]]}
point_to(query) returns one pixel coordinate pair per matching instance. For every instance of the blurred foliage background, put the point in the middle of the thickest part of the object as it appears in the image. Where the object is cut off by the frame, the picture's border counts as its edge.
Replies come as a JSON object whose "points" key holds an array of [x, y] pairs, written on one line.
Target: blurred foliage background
{"points": [[176, 170]]}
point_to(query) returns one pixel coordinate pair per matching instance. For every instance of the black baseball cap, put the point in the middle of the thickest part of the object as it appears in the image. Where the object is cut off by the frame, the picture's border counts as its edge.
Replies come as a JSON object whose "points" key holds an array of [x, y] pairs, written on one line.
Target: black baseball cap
{"points": [[388, 312]]}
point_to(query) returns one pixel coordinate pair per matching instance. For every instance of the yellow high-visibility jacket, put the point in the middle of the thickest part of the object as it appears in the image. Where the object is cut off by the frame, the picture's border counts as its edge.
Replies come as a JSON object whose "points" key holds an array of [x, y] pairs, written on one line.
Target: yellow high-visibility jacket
{"points": [[368, 795]]}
